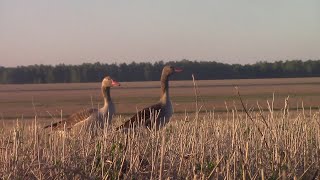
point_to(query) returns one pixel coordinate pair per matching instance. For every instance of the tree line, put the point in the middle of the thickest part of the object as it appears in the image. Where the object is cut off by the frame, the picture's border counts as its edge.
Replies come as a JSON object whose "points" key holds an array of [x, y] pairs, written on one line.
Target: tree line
{"points": [[94, 72]]}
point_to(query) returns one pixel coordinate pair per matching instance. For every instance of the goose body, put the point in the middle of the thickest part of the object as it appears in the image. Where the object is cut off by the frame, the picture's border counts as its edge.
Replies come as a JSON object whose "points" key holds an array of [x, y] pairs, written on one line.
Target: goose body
{"points": [[159, 114], [91, 118]]}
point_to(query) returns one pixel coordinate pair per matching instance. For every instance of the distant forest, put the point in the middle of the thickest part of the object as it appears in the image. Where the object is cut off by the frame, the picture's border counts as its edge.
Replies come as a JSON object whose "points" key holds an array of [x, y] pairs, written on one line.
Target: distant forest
{"points": [[203, 70]]}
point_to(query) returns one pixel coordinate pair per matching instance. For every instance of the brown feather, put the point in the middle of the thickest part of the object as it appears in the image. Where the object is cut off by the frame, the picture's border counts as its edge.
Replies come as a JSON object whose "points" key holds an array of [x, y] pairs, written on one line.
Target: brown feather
{"points": [[72, 119], [146, 116]]}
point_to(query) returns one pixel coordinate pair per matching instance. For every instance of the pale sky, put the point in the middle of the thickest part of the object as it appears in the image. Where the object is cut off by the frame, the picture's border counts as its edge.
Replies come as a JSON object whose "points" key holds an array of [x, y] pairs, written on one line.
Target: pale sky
{"points": [[229, 31]]}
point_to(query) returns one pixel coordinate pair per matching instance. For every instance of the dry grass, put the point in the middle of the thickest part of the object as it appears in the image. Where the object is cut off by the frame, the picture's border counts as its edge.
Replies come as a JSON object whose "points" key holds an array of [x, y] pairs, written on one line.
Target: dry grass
{"points": [[273, 145], [269, 142]]}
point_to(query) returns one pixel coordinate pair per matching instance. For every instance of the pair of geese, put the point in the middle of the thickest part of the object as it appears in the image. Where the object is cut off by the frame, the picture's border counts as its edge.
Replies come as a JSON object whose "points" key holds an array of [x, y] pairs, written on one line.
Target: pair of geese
{"points": [[155, 115]]}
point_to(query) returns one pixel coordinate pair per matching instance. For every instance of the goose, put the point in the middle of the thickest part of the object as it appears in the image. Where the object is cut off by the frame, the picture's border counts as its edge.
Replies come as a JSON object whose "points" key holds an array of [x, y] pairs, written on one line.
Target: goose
{"points": [[160, 113], [91, 117]]}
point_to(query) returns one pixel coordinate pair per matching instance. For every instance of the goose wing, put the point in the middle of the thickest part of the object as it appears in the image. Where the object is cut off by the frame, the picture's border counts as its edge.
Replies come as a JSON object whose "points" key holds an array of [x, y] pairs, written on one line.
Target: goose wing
{"points": [[73, 119], [144, 116]]}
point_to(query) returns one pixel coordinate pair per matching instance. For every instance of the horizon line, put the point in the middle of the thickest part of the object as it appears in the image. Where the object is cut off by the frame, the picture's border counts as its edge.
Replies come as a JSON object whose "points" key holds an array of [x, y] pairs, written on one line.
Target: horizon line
{"points": [[163, 61]]}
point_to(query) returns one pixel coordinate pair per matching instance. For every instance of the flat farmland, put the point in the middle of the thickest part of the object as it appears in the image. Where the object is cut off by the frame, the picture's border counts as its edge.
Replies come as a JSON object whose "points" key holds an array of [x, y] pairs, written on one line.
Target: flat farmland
{"points": [[280, 143], [59, 100]]}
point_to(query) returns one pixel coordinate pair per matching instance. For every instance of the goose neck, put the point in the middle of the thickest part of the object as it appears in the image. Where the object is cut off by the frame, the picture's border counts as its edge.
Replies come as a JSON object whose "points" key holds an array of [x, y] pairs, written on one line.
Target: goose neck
{"points": [[106, 95], [164, 89]]}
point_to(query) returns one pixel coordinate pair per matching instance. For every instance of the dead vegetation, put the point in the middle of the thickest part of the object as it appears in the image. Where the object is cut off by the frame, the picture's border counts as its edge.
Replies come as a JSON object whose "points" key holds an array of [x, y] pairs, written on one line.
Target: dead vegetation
{"points": [[244, 142], [270, 145]]}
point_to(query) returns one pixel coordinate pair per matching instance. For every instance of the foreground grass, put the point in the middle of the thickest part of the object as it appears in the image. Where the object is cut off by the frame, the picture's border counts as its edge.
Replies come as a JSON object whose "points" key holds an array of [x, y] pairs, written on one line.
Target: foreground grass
{"points": [[271, 145]]}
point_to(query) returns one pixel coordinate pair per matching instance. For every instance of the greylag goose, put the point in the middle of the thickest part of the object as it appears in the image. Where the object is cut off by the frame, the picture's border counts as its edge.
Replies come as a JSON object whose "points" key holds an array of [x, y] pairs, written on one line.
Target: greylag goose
{"points": [[160, 113], [92, 117]]}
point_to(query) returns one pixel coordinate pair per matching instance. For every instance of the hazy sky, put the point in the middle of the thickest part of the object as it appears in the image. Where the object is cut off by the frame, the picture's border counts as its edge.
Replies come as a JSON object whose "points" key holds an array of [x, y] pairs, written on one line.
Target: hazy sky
{"points": [[231, 31]]}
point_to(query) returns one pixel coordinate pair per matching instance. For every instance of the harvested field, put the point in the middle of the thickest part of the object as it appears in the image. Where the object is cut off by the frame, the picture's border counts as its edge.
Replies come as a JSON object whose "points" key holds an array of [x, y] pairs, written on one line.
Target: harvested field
{"points": [[59, 100], [271, 145], [278, 141]]}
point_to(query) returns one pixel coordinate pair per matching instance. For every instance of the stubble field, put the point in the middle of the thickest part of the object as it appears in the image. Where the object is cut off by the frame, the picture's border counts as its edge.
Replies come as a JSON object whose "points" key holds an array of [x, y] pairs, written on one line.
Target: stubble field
{"points": [[55, 100], [279, 137]]}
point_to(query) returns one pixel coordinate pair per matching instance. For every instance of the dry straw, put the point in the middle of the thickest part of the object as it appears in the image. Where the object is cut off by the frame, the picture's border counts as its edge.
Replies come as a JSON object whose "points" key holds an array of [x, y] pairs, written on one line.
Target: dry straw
{"points": [[250, 144]]}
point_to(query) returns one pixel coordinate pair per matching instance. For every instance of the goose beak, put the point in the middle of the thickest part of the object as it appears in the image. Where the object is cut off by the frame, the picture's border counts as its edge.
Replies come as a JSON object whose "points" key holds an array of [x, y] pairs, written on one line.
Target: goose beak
{"points": [[178, 70], [115, 83]]}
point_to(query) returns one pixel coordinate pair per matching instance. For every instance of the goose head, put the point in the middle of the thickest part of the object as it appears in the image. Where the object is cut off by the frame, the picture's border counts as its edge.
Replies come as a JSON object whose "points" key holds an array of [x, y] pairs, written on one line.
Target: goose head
{"points": [[108, 82], [168, 70]]}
